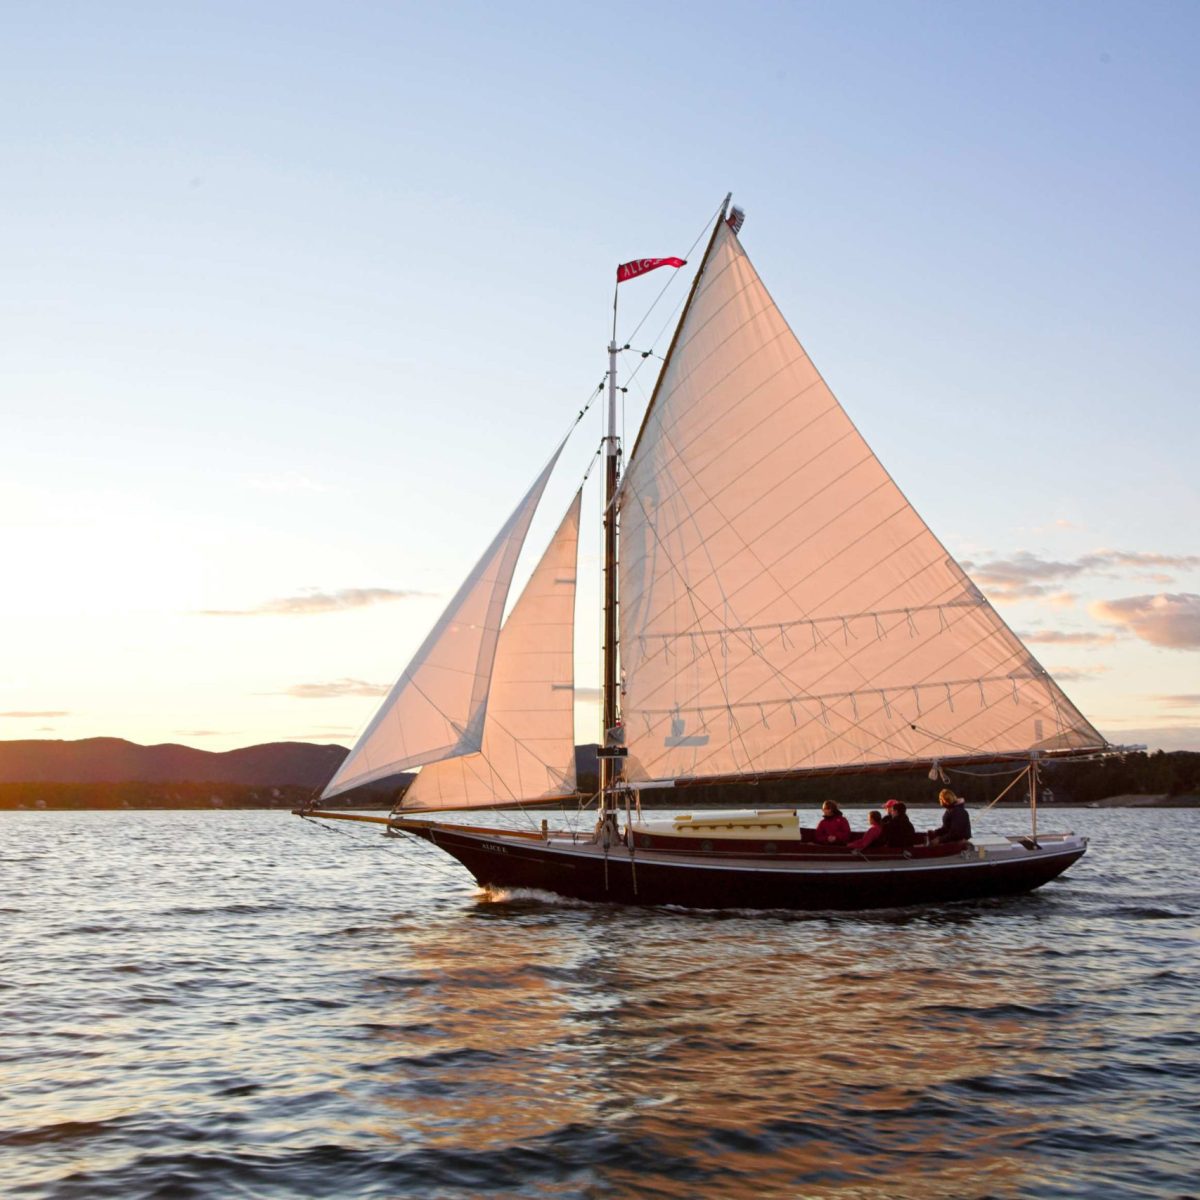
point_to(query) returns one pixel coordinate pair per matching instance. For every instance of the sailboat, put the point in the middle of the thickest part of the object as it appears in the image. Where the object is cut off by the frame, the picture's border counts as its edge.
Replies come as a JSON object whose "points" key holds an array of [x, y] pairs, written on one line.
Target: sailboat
{"points": [[774, 607]]}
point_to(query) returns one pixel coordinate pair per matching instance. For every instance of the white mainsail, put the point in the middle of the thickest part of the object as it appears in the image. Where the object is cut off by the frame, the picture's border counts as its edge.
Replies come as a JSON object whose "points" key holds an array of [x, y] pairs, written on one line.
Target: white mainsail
{"points": [[528, 745], [436, 708], [783, 606]]}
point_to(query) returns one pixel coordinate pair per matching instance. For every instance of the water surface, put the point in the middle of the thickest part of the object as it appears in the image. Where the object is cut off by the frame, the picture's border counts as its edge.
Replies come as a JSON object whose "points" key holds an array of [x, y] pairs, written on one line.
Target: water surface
{"points": [[210, 1004]]}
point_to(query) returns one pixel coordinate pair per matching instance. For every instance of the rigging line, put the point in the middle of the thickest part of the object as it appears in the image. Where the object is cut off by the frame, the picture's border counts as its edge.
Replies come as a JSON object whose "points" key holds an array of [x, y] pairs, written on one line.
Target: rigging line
{"points": [[981, 774], [651, 353], [674, 275], [828, 619], [597, 391], [436, 860], [624, 391], [937, 685], [1016, 779], [1014, 757], [432, 856], [657, 338]]}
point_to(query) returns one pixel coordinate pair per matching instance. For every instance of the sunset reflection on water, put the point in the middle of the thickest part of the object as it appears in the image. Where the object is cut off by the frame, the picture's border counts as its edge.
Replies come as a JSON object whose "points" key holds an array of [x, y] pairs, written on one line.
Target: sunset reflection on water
{"points": [[724, 1048]]}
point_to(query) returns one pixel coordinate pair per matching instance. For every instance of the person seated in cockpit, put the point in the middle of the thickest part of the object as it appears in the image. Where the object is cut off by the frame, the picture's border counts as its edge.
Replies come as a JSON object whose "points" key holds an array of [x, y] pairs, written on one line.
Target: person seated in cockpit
{"points": [[873, 833], [956, 821], [834, 829], [898, 832]]}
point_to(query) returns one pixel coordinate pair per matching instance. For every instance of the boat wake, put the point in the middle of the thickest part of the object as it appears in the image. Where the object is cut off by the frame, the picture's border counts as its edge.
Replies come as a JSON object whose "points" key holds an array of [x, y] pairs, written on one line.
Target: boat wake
{"points": [[486, 894]]}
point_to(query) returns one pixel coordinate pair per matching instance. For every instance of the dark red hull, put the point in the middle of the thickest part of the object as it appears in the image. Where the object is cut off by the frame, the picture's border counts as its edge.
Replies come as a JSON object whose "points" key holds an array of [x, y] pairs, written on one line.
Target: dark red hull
{"points": [[583, 872]]}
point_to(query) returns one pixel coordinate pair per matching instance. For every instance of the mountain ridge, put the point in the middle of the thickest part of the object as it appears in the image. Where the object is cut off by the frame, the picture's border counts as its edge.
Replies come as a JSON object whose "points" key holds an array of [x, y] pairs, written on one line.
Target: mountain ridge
{"points": [[117, 760]]}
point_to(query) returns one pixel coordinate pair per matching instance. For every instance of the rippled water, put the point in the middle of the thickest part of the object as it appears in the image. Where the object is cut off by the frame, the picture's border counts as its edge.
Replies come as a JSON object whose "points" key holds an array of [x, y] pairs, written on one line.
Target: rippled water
{"points": [[219, 1004]]}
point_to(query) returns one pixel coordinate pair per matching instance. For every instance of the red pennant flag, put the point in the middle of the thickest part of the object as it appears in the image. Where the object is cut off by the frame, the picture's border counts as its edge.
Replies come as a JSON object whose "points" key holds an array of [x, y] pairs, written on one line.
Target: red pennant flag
{"points": [[639, 266]]}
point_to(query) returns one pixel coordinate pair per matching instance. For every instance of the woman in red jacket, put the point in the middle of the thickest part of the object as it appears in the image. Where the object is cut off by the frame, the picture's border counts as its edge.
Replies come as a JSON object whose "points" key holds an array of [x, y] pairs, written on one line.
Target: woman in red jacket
{"points": [[834, 829], [873, 834]]}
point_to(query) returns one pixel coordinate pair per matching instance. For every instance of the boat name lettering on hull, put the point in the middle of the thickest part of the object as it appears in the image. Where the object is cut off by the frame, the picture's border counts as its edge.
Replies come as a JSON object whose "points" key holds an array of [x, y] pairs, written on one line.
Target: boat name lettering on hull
{"points": [[495, 847]]}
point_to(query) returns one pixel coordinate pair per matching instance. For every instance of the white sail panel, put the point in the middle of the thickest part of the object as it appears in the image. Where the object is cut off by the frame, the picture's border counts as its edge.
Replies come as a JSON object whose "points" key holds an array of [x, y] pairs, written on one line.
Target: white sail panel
{"points": [[436, 707], [528, 747], [783, 606]]}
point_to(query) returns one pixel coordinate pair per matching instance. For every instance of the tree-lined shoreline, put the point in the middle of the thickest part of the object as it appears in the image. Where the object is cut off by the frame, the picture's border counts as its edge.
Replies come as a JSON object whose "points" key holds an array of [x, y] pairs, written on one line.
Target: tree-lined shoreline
{"points": [[114, 774]]}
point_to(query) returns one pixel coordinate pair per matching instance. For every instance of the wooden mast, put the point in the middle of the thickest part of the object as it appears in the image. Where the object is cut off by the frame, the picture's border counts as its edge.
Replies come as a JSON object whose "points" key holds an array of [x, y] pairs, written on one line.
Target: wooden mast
{"points": [[608, 774]]}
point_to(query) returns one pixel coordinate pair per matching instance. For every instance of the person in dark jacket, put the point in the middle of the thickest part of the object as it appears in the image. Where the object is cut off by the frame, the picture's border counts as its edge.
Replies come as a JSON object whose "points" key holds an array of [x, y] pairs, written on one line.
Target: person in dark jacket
{"points": [[898, 832], [834, 829], [956, 821]]}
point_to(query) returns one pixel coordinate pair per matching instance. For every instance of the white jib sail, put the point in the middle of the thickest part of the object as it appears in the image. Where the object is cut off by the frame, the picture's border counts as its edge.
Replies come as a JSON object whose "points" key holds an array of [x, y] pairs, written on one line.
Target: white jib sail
{"points": [[436, 707], [528, 749], [783, 606]]}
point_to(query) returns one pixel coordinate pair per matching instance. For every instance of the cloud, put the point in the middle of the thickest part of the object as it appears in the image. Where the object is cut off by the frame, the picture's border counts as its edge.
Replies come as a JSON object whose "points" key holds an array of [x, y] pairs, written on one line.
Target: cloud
{"points": [[22, 714], [201, 733], [1129, 558], [338, 687], [1158, 737], [1170, 620], [1188, 700], [1026, 576], [1077, 674], [308, 603], [1059, 638], [1060, 523]]}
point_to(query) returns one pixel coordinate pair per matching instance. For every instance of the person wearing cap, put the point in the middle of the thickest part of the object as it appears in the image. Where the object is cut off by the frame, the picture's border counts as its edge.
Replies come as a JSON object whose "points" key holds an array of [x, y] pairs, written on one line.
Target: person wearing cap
{"points": [[956, 821], [834, 829], [873, 833], [898, 831]]}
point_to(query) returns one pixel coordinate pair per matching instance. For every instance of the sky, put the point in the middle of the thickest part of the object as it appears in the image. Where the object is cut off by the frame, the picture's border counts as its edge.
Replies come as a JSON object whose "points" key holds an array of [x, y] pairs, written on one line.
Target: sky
{"points": [[298, 298]]}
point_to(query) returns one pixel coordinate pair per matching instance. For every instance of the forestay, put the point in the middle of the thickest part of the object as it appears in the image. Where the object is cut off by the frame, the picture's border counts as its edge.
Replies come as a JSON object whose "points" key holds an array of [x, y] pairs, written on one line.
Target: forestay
{"points": [[528, 747], [436, 707], [783, 606]]}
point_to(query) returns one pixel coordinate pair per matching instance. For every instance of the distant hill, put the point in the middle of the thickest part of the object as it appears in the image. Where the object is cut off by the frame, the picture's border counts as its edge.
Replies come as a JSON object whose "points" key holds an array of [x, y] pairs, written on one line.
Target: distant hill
{"points": [[114, 760], [115, 773]]}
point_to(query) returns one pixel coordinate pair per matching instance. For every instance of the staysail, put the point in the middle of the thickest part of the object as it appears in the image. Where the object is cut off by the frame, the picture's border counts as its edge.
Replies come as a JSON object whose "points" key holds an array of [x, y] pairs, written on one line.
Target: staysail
{"points": [[783, 606], [528, 745], [436, 707]]}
